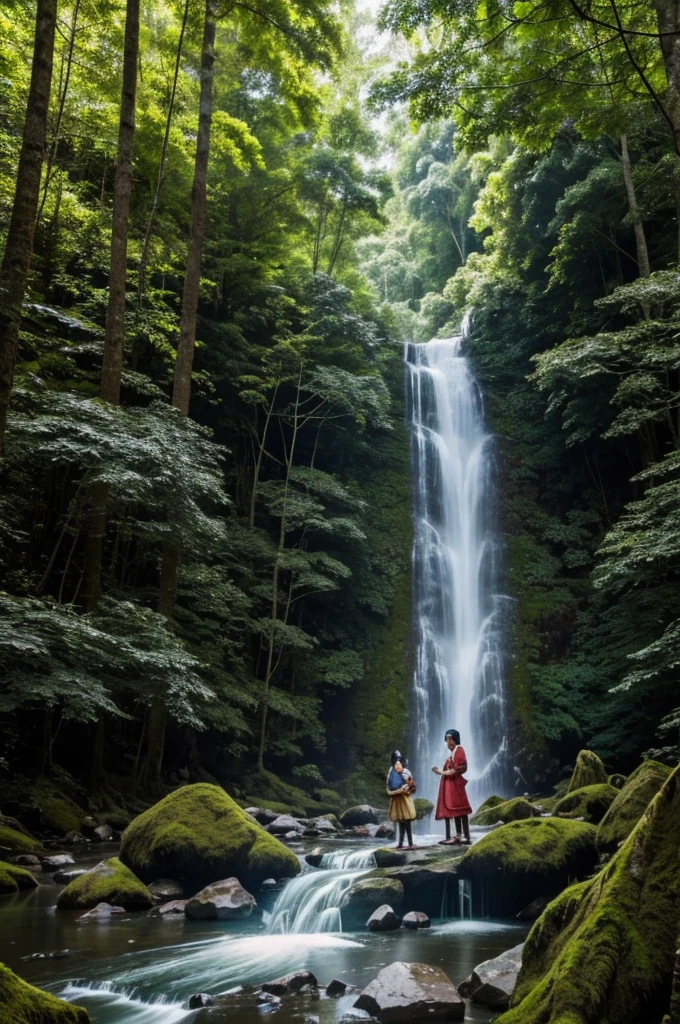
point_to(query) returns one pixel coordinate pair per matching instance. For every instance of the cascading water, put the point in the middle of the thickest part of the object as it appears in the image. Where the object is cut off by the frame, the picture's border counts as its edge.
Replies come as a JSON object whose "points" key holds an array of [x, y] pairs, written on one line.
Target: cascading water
{"points": [[312, 901], [458, 675]]}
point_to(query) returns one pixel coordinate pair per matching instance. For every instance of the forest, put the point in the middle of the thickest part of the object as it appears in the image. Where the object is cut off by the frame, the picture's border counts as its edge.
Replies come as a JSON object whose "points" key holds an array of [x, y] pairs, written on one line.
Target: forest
{"points": [[221, 222]]}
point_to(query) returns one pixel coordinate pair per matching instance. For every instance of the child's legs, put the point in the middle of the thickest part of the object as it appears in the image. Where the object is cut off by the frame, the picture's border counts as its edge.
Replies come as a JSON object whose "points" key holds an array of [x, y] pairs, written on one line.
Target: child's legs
{"points": [[459, 825], [447, 822], [409, 833], [466, 827], [401, 833]]}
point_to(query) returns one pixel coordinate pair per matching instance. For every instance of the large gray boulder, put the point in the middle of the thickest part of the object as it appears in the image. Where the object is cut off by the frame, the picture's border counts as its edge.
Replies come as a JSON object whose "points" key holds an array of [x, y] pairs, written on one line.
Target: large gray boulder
{"points": [[223, 901], [493, 982], [383, 919], [361, 814], [411, 992]]}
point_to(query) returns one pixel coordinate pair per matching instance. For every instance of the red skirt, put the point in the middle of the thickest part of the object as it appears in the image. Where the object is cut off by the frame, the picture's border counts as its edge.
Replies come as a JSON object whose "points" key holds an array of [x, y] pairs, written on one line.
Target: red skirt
{"points": [[452, 801]]}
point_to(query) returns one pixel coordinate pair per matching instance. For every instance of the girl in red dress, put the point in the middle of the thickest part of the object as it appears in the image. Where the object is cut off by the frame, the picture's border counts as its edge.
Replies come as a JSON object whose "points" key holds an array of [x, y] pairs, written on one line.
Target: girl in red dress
{"points": [[452, 801]]}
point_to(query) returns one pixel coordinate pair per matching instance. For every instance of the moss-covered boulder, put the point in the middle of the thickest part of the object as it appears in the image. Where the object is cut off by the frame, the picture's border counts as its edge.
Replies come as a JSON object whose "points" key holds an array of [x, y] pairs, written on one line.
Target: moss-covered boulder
{"points": [[588, 771], [61, 815], [630, 804], [491, 801], [14, 878], [108, 882], [423, 807], [590, 803], [16, 840], [366, 895], [21, 1003], [617, 780], [518, 862], [200, 835], [603, 951], [517, 809]]}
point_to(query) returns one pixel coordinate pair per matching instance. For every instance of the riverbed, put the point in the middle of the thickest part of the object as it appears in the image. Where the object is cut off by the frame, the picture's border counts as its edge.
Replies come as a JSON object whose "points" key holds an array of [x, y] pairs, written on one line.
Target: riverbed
{"points": [[136, 969]]}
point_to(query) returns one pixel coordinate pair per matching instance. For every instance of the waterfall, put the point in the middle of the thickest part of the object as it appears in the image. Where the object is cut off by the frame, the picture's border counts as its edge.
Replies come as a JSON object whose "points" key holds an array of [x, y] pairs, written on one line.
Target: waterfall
{"points": [[312, 901], [458, 672]]}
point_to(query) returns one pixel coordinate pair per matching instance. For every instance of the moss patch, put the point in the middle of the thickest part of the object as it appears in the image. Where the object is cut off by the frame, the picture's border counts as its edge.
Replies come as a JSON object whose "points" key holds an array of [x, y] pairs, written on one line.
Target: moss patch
{"points": [[108, 882], [17, 842], [21, 1003], [630, 803], [520, 861], [200, 835], [588, 771], [14, 878], [591, 803], [603, 952], [423, 807], [61, 815], [507, 810]]}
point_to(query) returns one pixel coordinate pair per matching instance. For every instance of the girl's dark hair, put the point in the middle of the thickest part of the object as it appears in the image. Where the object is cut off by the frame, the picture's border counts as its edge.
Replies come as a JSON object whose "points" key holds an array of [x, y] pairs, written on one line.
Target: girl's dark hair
{"points": [[454, 734], [396, 756]]}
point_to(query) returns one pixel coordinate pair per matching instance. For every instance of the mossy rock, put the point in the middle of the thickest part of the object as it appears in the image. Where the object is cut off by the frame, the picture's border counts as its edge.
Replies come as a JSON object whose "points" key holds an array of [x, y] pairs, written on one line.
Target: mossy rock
{"points": [[366, 895], [507, 810], [617, 780], [520, 861], [108, 882], [200, 835], [21, 1003], [491, 801], [13, 878], [588, 771], [590, 803], [12, 841], [603, 951], [630, 804], [61, 815], [423, 807]]}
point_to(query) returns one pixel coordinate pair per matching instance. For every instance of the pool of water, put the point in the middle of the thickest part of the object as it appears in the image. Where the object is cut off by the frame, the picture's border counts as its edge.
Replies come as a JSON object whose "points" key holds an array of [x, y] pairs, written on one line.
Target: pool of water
{"points": [[135, 969]]}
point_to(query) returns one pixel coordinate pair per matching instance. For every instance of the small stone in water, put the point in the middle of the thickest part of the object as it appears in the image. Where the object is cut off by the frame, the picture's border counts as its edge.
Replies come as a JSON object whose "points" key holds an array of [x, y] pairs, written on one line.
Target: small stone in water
{"points": [[269, 883], [59, 860], [199, 1000], [416, 919], [335, 988]]}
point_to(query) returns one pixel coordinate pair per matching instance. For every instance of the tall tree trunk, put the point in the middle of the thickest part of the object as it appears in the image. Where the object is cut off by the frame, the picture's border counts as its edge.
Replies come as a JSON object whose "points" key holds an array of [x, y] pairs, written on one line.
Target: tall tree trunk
{"points": [[60, 113], [112, 362], [668, 21], [144, 259], [181, 394], [638, 226], [114, 336], [19, 243]]}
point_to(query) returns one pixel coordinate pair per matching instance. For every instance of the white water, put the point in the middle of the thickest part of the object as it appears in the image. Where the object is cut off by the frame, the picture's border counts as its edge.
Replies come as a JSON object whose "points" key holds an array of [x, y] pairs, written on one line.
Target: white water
{"points": [[458, 678], [311, 903]]}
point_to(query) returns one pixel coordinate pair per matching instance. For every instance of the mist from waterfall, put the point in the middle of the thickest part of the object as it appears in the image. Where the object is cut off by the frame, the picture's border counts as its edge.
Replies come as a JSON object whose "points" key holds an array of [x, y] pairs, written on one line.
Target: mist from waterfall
{"points": [[458, 614]]}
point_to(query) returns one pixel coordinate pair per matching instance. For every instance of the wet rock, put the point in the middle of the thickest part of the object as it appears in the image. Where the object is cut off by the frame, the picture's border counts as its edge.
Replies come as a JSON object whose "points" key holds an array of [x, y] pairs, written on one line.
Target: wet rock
{"points": [[102, 912], [533, 910], [361, 814], [165, 889], [170, 911], [293, 835], [103, 833], [383, 919], [59, 954], [262, 814], [59, 860], [269, 884], [311, 1018], [361, 830], [223, 901], [199, 1000], [325, 825], [416, 919], [65, 876], [336, 988], [290, 984], [405, 992], [283, 824], [367, 894], [372, 830], [428, 883], [267, 999], [74, 838], [315, 857], [27, 860], [107, 882], [493, 982], [385, 831]]}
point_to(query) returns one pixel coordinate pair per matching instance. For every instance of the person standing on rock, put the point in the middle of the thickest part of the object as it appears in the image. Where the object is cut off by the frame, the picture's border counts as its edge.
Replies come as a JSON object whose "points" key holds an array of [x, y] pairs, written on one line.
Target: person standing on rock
{"points": [[452, 802], [400, 787]]}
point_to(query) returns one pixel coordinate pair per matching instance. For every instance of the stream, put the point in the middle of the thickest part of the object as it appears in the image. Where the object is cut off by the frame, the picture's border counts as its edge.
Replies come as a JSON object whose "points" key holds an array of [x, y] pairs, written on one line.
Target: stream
{"points": [[141, 970]]}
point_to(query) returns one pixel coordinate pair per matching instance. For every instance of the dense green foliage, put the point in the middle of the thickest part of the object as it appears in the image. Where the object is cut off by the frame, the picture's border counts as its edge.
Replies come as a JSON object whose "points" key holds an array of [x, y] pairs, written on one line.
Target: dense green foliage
{"points": [[285, 494]]}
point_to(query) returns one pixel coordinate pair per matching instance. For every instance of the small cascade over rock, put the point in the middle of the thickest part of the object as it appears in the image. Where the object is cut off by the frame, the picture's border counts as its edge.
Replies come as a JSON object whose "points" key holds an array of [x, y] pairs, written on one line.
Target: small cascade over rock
{"points": [[312, 902]]}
